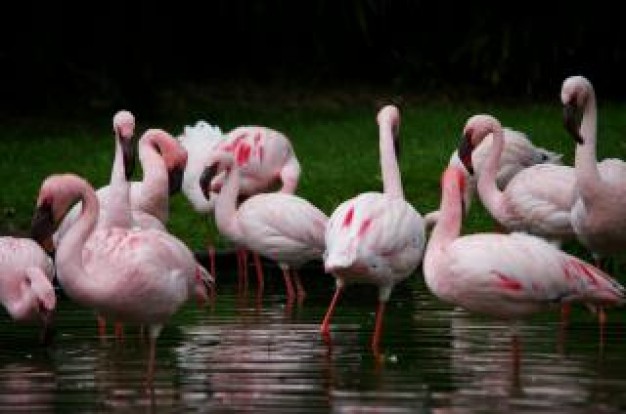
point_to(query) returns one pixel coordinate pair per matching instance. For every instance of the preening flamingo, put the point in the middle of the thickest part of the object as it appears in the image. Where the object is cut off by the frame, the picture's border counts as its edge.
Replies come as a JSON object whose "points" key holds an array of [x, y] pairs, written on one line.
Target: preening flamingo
{"points": [[536, 200], [599, 213], [518, 153], [26, 274], [163, 162], [506, 276], [375, 237], [280, 226], [138, 276]]}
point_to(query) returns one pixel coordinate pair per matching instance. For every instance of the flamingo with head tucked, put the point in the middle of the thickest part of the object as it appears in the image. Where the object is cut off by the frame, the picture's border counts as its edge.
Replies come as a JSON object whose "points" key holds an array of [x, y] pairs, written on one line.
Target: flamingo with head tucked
{"points": [[599, 214], [137, 276], [537, 200], [518, 153], [281, 226], [375, 237], [506, 276], [26, 275]]}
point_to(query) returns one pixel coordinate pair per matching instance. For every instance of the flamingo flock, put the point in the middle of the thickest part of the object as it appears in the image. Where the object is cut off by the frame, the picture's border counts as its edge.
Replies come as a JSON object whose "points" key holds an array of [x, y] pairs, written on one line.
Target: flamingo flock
{"points": [[110, 249]]}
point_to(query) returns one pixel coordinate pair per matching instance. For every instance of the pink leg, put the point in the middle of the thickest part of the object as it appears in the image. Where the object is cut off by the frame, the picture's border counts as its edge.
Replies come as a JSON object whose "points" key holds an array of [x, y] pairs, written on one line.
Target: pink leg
{"points": [[378, 327], [119, 330], [300, 292], [516, 357], [211, 251], [566, 310], [602, 320], [290, 292], [151, 362], [244, 268], [259, 271], [325, 328], [102, 326]]}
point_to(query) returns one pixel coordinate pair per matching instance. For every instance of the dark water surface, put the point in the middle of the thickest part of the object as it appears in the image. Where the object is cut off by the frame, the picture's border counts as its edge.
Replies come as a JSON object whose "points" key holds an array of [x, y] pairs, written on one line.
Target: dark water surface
{"points": [[243, 356]]}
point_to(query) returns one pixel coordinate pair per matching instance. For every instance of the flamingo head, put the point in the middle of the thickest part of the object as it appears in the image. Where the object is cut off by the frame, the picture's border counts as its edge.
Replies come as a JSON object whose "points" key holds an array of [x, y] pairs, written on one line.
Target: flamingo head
{"points": [[172, 152], [574, 94], [475, 131], [390, 115], [124, 129], [56, 195], [216, 173]]}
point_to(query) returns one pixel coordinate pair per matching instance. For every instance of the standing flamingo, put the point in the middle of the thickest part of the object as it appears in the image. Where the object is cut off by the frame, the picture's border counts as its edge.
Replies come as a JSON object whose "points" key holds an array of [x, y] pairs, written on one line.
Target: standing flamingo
{"points": [[162, 160], [138, 276], [599, 214], [26, 274], [518, 153], [266, 159], [537, 200], [375, 237], [281, 226], [507, 276]]}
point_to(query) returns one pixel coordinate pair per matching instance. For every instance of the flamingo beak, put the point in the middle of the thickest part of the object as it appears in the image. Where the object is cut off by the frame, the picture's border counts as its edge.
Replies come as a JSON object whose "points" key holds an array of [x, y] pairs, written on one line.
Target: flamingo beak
{"points": [[465, 153], [572, 119], [206, 178], [42, 227], [175, 179]]}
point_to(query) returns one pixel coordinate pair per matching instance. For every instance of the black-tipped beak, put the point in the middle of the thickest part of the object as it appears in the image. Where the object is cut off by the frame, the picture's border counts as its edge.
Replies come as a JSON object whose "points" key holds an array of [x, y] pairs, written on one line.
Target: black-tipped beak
{"points": [[175, 180], [42, 227], [207, 176], [47, 331], [572, 118], [128, 151], [465, 154]]}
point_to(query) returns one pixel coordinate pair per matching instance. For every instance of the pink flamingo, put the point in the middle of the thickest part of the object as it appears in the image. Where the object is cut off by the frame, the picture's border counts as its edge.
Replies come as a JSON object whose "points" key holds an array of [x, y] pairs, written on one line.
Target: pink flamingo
{"points": [[518, 153], [506, 276], [26, 274], [375, 237], [138, 276], [598, 215], [163, 161], [266, 160], [281, 226], [537, 200]]}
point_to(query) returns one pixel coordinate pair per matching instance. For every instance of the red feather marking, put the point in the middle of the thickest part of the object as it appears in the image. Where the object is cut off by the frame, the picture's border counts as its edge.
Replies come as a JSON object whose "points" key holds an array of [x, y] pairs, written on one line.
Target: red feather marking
{"points": [[347, 220], [243, 154], [583, 268], [364, 226], [508, 282]]}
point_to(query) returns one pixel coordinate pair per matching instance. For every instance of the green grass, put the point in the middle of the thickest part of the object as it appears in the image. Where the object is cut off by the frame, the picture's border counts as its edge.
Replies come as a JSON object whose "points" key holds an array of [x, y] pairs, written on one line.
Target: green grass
{"points": [[335, 138]]}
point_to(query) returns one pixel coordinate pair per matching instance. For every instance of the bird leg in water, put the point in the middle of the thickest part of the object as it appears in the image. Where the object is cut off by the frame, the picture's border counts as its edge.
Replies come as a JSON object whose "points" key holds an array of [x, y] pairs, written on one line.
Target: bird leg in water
{"points": [[378, 327], [325, 328]]}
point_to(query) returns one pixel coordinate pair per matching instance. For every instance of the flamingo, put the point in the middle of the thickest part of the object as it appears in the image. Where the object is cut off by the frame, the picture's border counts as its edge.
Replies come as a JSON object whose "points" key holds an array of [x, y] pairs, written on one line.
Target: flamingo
{"points": [[375, 237], [281, 226], [537, 200], [266, 159], [163, 161], [505, 276], [132, 275], [598, 216], [26, 274]]}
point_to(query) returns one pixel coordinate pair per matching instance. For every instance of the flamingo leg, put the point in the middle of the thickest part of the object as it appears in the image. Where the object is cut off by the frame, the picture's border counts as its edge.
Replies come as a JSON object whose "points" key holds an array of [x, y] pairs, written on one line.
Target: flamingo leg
{"points": [[300, 292], [102, 326], [211, 252], [325, 327], [259, 271], [566, 310], [378, 327], [154, 332], [602, 321], [290, 291], [516, 358], [119, 330]]}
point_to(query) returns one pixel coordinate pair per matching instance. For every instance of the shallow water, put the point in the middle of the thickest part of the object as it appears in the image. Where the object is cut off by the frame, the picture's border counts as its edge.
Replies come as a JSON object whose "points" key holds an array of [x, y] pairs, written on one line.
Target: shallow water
{"points": [[241, 355]]}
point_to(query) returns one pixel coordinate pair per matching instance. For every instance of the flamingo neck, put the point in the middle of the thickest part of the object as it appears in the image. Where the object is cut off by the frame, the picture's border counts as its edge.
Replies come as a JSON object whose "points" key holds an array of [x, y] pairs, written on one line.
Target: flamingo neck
{"points": [[118, 206], [392, 182], [226, 205], [69, 258], [19, 303], [155, 183], [488, 191], [586, 164]]}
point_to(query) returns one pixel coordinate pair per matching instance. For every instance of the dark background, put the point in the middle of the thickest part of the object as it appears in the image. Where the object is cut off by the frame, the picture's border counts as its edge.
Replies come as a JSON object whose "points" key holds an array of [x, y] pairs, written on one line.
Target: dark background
{"points": [[59, 54]]}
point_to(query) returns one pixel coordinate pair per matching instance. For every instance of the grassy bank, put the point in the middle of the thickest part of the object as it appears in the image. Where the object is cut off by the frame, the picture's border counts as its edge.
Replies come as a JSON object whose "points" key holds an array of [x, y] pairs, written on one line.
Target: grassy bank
{"points": [[334, 135]]}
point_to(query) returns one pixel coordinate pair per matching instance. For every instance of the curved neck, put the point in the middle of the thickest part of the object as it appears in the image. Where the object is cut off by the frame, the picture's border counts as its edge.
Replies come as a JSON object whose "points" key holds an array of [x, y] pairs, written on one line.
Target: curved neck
{"points": [[392, 183], [226, 205], [155, 183], [118, 206], [69, 259], [448, 227], [586, 164], [488, 191]]}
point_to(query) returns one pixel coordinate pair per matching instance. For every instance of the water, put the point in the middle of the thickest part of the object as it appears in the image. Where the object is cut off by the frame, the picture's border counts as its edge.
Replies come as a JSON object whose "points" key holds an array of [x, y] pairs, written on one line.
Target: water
{"points": [[240, 356]]}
